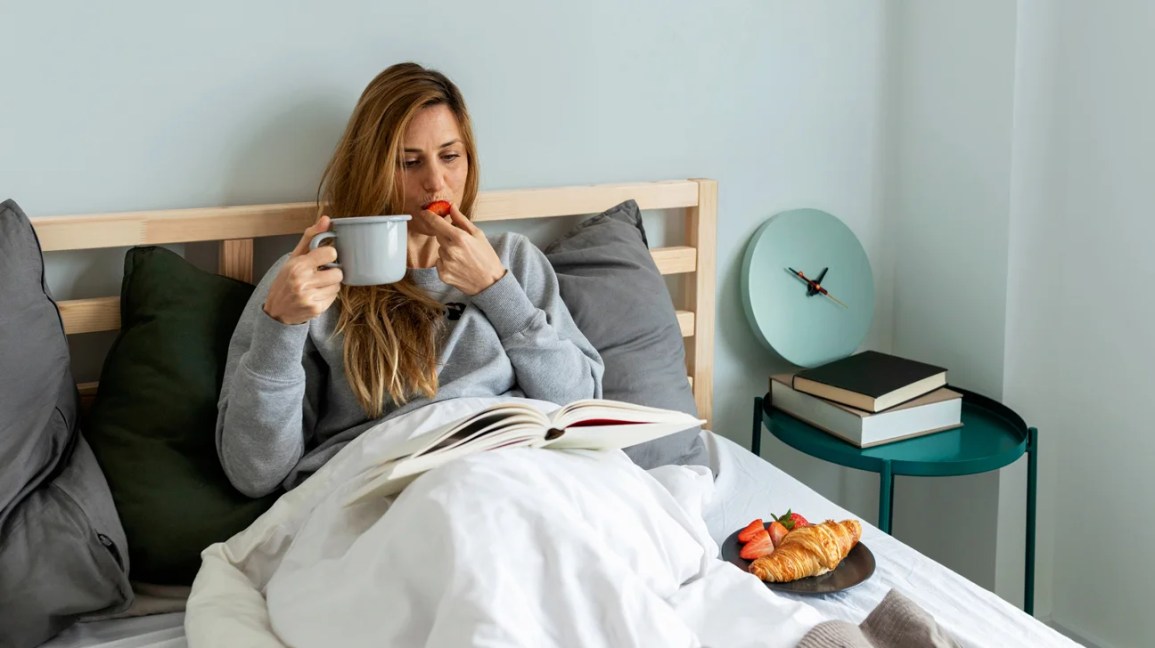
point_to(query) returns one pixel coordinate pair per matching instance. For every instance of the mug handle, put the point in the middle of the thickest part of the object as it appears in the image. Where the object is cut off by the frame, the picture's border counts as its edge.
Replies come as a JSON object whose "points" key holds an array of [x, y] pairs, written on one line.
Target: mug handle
{"points": [[317, 240]]}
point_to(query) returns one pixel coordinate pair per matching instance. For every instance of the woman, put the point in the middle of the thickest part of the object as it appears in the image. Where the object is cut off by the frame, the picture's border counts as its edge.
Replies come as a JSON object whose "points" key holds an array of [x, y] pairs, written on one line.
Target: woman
{"points": [[313, 363]]}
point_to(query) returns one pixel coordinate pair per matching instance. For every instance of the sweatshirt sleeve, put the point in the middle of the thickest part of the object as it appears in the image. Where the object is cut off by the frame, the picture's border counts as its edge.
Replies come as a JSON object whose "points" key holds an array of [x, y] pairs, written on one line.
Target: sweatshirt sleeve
{"points": [[551, 358], [264, 414]]}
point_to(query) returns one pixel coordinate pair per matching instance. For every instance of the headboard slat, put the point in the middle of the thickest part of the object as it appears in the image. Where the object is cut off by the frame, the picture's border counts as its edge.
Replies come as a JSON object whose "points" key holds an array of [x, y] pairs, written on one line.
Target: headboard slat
{"points": [[94, 231], [103, 314], [236, 259], [87, 391], [589, 199], [701, 230], [90, 315], [254, 221], [675, 260]]}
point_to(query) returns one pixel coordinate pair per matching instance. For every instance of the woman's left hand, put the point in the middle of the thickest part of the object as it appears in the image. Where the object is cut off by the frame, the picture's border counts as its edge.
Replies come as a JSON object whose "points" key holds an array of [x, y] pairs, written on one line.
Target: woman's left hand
{"points": [[465, 258]]}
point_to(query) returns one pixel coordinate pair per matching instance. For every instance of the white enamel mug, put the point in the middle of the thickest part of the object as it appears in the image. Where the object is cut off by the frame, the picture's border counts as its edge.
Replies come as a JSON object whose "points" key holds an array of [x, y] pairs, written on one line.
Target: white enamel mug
{"points": [[371, 250]]}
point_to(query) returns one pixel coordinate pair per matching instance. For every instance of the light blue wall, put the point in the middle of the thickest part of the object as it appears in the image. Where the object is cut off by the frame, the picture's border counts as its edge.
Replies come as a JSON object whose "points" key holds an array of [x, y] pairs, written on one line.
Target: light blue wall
{"points": [[1020, 192], [951, 103], [1079, 355], [142, 105]]}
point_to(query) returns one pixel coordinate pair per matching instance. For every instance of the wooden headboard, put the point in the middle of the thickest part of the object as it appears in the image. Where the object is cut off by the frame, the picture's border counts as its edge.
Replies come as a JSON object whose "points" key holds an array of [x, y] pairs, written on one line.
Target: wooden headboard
{"points": [[236, 227]]}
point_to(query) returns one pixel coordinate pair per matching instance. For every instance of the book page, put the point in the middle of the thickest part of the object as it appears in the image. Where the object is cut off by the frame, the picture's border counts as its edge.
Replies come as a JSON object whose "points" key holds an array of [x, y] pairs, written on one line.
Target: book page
{"points": [[390, 477], [460, 434], [604, 411], [481, 429], [461, 429], [527, 434], [615, 436]]}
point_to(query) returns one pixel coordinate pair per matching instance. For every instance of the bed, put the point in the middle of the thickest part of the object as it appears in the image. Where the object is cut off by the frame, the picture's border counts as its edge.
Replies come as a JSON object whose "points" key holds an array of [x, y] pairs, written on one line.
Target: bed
{"points": [[746, 486]]}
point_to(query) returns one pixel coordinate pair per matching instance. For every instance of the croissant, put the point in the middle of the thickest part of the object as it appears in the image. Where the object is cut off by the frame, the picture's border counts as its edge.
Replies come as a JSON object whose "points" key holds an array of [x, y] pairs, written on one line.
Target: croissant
{"points": [[810, 551]]}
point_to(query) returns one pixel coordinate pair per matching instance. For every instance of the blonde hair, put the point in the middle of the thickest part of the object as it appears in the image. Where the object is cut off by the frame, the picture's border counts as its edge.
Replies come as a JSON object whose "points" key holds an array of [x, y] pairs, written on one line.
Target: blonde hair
{"points": [[391, 331]]}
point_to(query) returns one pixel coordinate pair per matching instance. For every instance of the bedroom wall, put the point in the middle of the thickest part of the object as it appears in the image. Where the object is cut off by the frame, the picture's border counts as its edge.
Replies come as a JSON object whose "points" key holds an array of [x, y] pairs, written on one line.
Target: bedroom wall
{"points": [[1079, 300], [142, 105], [1021, 179], [947, 201]]}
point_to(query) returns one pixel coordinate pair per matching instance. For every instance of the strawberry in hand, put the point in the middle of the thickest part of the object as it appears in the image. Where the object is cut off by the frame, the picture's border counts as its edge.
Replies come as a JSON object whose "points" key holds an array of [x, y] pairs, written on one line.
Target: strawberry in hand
{"points": [[439, 207], [751, 530], [759, 545], [791, 520]]}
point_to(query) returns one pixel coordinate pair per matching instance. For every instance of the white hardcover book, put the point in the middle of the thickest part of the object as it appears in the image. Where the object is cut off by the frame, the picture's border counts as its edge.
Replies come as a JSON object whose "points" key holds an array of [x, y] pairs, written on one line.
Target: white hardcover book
{"points": [[939, 410]]}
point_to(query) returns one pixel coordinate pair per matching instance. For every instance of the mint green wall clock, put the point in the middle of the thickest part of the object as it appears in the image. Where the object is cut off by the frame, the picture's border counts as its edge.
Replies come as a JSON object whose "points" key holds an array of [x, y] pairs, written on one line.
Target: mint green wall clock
{"points": [[807, 287]]}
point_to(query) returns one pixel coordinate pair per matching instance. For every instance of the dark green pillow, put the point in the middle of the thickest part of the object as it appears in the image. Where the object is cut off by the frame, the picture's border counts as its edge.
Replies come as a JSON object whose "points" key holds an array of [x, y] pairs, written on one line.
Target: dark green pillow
{"points": [[153, 423]]}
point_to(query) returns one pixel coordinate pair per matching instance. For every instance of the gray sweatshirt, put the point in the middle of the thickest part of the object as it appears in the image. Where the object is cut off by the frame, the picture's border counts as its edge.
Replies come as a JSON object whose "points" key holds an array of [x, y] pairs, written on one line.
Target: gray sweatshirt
{"points": [[286, 407]]}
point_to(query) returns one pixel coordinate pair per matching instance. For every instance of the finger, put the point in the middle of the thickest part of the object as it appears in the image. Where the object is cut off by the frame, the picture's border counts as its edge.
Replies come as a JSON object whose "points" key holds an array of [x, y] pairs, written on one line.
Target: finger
{"points": [[322, 225], [328, 277], [435, 223], [322, 255], [327, 293], [461, 220], [440, 228]]}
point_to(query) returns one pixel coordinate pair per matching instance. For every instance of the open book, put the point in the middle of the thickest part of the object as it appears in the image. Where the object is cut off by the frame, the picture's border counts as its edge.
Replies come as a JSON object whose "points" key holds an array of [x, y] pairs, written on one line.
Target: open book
{"points": [[594, 424]]}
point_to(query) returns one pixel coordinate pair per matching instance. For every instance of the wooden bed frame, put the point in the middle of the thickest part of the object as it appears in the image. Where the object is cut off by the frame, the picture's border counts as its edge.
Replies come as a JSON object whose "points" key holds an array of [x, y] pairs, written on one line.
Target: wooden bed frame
{"points": [[236, 227]]}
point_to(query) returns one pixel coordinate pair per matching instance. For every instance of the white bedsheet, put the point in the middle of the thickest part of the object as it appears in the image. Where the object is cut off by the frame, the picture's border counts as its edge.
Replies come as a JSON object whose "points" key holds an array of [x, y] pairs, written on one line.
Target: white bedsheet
{"points": [[747, 487]]}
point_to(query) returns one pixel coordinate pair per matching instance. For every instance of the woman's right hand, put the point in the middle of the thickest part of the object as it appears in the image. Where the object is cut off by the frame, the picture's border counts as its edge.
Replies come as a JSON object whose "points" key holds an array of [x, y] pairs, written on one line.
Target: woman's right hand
{"points": [[303, 289]]}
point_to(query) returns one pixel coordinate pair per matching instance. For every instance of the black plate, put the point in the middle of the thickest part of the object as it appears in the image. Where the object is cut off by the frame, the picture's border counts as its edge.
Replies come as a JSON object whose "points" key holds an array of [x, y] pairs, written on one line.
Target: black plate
{"points": [[856, 567]]}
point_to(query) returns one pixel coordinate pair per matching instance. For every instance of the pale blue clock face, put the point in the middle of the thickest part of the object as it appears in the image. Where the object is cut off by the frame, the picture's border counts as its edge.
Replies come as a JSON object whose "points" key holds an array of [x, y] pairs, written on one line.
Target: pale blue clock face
{"points": [[807, 330]]}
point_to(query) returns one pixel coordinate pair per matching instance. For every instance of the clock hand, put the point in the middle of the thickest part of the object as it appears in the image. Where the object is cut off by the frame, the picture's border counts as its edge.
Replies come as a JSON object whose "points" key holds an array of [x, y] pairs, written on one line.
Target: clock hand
{"points": [[814, 288], [801, 275], [816, 284], [809, 283], [832, 297]]}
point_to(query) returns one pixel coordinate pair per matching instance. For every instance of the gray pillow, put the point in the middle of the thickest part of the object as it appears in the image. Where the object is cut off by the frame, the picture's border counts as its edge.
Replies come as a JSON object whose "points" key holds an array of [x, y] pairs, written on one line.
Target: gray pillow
{"points": [[620, 302], [62, 547]]}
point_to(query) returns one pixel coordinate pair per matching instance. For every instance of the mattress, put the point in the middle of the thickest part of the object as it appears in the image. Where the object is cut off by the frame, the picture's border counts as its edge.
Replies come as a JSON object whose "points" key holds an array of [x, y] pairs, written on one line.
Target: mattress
{"points": [[747, 487]]}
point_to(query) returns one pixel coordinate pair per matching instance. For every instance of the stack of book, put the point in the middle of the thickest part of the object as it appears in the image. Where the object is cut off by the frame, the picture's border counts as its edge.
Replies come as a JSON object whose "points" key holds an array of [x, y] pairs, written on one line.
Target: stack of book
{"points": [[870, 398]]}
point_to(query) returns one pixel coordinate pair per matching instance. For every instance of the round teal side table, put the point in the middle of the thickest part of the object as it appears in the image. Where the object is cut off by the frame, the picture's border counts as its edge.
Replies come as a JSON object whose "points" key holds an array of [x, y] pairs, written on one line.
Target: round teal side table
{"points": [[992, 436]]}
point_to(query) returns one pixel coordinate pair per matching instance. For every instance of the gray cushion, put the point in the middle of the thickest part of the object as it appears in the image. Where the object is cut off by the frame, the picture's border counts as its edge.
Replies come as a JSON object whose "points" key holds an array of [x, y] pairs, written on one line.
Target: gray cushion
{"points": [[620, 302], [62, 548]]}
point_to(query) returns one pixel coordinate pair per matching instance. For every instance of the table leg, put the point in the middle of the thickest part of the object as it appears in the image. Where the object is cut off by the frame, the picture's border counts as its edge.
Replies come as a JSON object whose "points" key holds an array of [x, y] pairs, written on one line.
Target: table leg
{"points": [[756, 439], [885, 497], [1032, 476]]}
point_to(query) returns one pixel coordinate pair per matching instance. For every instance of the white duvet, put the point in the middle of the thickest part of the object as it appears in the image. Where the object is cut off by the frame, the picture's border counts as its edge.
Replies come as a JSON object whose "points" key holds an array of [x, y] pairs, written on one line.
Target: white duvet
{"points": [[513, 547]]}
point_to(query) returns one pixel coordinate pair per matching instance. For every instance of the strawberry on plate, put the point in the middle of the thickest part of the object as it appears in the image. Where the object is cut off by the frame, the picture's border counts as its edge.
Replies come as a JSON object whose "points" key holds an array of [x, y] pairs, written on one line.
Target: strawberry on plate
{"points": [[791, 520], [777, 531], [759, 545], [439, 207], [752, 529]]}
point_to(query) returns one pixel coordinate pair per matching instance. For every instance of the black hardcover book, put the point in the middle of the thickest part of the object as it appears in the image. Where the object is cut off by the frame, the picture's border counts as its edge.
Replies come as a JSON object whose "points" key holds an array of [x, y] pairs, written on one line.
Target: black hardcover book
{"points": [[870, 381]]}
